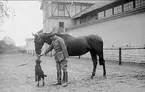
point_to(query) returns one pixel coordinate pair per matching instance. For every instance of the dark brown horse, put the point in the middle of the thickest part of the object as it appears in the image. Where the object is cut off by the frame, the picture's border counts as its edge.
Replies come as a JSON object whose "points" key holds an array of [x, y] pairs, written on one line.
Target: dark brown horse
{"points": [[76, 46]]}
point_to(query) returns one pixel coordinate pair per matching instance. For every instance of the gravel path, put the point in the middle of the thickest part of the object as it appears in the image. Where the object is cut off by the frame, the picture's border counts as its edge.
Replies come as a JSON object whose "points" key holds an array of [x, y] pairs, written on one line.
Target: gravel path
{"points": [[17, 75]]}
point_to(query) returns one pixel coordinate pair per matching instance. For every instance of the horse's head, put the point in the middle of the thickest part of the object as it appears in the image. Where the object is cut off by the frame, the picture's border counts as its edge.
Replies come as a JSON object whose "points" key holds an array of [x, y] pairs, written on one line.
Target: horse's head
{"points": [[39, 41]]}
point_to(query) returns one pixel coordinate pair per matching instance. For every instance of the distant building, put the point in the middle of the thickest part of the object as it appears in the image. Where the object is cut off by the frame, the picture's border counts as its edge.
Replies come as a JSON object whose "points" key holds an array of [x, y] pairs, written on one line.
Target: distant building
{"points": [[30, 47]]}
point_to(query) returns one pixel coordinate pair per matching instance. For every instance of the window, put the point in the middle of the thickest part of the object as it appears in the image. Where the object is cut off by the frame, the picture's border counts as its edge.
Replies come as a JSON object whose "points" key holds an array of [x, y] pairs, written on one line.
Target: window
{"points": [[139, 3], [78, 22], [83, 7], [118, 9], [77, 9], [61, 11], [61, 24], [94, 15], [82, 20], [128, 6], [101, 14], [88, 18], [109, 12], [61, 7]]}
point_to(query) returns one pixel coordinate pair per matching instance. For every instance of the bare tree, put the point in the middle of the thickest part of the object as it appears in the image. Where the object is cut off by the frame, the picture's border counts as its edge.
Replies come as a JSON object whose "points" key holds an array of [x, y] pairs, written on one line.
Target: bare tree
{"points": [[4, 11]]}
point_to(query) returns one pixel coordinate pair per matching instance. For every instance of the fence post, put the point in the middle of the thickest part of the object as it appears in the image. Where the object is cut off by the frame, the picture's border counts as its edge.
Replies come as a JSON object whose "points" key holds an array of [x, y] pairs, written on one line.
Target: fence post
{"points": [[120, 56]]}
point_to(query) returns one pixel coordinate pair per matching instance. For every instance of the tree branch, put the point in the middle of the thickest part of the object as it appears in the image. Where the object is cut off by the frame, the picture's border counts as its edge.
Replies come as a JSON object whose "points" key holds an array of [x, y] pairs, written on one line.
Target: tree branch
{"points": [[4, 11]]}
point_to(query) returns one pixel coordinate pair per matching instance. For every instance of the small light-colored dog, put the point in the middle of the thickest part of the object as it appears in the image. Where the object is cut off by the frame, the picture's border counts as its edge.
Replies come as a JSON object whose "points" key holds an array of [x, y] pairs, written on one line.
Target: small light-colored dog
{"points": [[39, 72]]}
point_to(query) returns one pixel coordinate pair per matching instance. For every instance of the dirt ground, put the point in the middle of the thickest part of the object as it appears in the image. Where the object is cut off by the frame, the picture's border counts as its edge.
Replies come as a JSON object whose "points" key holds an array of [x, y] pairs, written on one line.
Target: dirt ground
{"points": [[17, 75]]}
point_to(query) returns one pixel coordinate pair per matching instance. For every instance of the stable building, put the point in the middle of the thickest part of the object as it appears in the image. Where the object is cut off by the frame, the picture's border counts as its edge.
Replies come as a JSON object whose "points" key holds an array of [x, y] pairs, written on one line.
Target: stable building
{"points": [[118, 22]]}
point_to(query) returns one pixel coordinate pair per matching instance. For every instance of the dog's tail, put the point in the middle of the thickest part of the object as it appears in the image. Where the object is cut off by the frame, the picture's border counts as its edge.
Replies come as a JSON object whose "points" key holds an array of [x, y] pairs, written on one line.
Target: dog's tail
{"points": [[45, 75]]}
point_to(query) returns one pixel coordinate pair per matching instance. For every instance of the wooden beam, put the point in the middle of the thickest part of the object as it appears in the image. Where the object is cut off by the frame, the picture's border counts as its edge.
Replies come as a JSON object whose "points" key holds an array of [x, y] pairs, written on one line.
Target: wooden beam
{"points": [[54, 9], [67, 10]]}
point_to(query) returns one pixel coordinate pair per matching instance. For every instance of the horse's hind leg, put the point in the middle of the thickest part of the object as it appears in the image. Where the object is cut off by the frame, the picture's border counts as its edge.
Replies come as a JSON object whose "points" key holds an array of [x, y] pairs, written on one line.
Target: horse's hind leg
{"points": [[38, 83], [104, 71], [102, 62], [94, 59]]}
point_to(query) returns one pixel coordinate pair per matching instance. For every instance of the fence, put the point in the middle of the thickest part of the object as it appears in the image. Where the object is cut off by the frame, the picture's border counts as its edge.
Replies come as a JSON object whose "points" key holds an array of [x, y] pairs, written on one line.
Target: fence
{"points": [[125, 54], [120, 54]]}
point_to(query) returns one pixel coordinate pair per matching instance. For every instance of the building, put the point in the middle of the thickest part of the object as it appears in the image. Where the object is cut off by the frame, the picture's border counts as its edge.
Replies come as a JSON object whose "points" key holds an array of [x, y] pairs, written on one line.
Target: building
{"points": [[57, 15], [118, 22], [30, 47]]}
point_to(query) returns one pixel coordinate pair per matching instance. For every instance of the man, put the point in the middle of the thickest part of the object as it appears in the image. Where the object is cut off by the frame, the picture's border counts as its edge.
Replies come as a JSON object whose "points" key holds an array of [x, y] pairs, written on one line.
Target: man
{"points": [[60, 55]]}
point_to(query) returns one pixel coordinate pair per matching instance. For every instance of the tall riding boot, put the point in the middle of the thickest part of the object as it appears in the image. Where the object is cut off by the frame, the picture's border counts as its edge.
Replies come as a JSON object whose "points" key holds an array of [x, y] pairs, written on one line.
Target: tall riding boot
{"points": [[58, 78], [65, 79]]}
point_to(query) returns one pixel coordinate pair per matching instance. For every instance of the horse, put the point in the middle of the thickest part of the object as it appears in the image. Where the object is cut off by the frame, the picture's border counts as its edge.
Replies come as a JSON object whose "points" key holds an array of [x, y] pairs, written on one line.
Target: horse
{"points": [[76, 46]]}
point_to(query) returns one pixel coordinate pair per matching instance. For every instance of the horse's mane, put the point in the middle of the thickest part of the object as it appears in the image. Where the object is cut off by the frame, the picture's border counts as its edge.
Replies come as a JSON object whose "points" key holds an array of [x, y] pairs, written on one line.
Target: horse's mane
{"points": [[61, 35], [64, 36]]}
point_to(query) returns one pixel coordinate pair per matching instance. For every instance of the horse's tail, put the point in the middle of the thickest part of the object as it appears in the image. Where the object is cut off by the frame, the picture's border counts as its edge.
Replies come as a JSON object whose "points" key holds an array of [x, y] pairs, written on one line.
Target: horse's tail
{"points": [[45, 75], [101, 58]]}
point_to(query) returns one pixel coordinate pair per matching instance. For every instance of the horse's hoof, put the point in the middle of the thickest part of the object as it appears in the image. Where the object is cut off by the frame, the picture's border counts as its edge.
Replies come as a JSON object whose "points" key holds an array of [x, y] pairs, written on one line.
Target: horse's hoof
{"points": [[105, 77], [92, 77]]}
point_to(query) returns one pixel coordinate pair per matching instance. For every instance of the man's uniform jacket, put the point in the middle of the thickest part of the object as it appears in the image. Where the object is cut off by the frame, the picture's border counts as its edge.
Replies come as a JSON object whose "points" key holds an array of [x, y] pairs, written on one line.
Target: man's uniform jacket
{"points": [[60, 49]]}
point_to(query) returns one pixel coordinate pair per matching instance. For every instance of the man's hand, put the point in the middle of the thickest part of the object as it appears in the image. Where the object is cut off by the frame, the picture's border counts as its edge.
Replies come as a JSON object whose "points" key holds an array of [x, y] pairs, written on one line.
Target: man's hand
{"points": [[40, 55]]}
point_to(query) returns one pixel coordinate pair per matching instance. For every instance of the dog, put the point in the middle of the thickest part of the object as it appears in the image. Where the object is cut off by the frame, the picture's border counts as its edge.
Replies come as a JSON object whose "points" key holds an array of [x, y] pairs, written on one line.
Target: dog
{"points": [[39, 72]]}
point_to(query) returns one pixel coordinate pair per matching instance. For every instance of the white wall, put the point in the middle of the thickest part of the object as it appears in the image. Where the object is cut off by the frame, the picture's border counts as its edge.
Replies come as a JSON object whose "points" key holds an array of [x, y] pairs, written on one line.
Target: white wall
{"points": [[128, 30]]}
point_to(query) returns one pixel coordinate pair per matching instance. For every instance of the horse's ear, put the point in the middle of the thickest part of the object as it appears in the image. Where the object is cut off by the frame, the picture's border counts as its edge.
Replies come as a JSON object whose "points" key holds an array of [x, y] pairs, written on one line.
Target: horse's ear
{"points": [[41, 35], [33, 34]]}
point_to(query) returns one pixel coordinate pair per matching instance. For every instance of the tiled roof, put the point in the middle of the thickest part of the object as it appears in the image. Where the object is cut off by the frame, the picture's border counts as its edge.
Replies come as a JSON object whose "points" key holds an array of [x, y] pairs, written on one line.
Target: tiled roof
{"points": [[97, 5]]}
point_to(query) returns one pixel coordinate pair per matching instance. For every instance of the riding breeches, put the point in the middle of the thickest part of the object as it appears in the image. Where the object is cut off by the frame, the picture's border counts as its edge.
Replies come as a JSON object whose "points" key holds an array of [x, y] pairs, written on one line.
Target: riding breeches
{"points": [[61, 65]]}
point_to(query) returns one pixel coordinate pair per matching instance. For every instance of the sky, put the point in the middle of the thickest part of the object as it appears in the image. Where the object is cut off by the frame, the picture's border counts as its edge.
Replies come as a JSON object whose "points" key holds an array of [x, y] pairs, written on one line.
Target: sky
{"points": [[28, 18]]}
